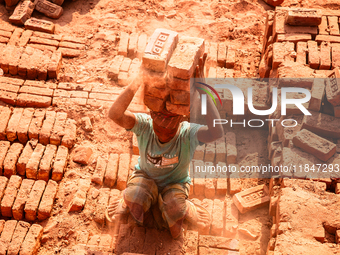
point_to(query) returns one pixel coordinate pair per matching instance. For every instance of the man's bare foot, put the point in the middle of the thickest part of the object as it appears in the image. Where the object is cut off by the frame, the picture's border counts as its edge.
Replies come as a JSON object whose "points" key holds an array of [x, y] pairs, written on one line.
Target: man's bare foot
{"points": [[116, 208], [197, 215]]}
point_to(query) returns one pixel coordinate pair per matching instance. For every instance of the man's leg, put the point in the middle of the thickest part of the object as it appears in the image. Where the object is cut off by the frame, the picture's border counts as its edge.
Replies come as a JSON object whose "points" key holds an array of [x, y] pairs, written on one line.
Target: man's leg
{"points": [[141, 192], [172, 203]]}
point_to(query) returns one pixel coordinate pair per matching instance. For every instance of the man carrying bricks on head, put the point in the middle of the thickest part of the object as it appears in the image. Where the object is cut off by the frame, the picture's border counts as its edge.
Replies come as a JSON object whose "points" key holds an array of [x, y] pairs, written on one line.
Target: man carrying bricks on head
{"points": [[166, 145]]}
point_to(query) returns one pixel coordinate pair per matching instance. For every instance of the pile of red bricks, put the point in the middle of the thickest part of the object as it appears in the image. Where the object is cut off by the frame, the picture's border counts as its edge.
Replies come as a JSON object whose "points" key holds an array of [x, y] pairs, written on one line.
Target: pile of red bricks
{"points": [[305, 36], [299, 214], [49, 127], [34, 160], [169, 63], [26, 199], [19, 237], [44, 94]]}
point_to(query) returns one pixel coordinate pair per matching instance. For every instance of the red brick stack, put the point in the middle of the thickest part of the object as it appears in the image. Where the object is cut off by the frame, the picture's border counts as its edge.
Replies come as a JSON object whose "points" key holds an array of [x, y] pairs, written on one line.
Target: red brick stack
{"points": [[169, 62]]}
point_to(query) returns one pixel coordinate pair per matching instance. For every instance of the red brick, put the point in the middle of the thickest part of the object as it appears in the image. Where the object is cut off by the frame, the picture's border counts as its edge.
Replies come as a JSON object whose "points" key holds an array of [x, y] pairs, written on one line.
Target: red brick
{"points": [[231, 57], [46, 129], [295, 38], [142, 41], [199, 178], [337, 236], [99, 172], [333, 24], [13, 61], [327, 38], [279, 23], [273, 206], [181, 65], [69, 53], [59, 163], [218, 242], [134, 69], [252, 198], [335, 55], [210, 151], [323, 27], [325, 56], [123, 44], [304, 17], [20, 201], [221, 54], [137, 240], [301, 51], [111, 171], [313, 55], [22, 12], [101, 205], [301, 30], [14, 40], [6, 34], [39, 40], [25, 37], [73, 39], [282, 52], [123, 79], [79, 94], [155, 104], [217, 218], [46, 204], [94, 240], [24, 123], [222, 183], [231, 148], [24, 62], [11, 159], [34, 161], [28, 100], [179, 84], [40, 25], [231, 221], [31, 243], [132, 48], [209, 189], [32, 204], [3, 184], [58, 128], [6, 235], [75, 46], [13, 81], [18, 237], [82, 155], [49, 9], [54, 65], [79, 198], [10, 195], [123, 171], [333, 88], [314, 144], [212, 55], [46, 162], [35, 61], [8, 97], [4, 146], [43, 47], [159, 49], [43, 65], [4, 40], [10, 87], [70, 134], [36, 124], [11, 131], [123, 240], [5, 115]]}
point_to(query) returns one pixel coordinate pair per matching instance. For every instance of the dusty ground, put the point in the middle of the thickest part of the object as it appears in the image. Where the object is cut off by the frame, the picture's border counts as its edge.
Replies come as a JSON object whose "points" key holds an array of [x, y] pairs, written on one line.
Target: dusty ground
{"points": [[237, 22]]}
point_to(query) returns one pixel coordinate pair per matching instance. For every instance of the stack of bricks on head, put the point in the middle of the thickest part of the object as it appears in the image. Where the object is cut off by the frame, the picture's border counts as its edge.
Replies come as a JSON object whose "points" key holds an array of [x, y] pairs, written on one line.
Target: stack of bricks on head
{"points": [[169, 62]]}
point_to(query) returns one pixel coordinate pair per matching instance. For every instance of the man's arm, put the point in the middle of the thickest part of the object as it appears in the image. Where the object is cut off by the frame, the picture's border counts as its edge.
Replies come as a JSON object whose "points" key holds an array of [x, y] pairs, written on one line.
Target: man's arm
{"points": [[208, 133], [118, 111]]}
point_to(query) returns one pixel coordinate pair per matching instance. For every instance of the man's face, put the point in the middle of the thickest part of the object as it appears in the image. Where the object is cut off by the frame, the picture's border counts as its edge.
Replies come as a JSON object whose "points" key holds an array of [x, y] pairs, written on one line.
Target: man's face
{"points": [[165, 125]]}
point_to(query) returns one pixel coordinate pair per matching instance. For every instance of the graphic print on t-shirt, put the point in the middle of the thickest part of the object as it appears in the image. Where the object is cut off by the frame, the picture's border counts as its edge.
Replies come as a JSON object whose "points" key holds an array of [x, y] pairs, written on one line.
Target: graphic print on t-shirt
{"points": [[160, 161]]}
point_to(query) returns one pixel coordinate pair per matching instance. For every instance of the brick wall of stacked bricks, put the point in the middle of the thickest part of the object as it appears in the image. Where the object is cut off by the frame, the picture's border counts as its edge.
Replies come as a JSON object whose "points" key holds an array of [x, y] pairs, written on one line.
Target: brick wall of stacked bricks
{"points": [[34, 54], [28, 93]]}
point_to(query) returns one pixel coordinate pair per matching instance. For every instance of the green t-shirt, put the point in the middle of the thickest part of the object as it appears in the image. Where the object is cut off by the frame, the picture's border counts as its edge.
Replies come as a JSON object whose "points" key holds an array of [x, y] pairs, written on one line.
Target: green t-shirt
{"points": [[169, 162]]}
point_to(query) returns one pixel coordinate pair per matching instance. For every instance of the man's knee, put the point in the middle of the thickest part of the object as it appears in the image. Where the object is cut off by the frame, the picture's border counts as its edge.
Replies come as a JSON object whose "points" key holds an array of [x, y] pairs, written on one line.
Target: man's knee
{"points": [[174, 204]]}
